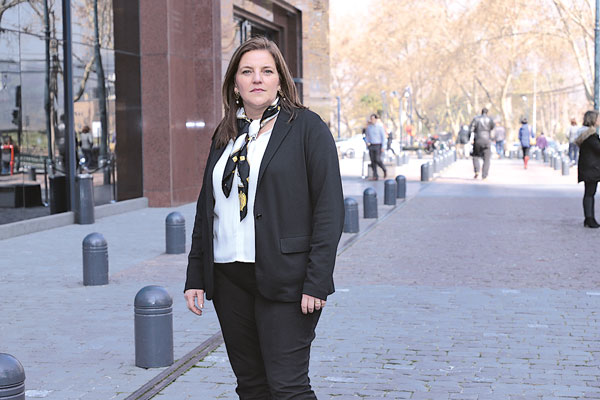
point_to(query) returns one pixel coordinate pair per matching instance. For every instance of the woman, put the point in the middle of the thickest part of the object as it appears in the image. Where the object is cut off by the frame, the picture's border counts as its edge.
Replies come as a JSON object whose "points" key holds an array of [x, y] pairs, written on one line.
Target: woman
{"points": [[265, 254], [588, 167], [525, 136]]}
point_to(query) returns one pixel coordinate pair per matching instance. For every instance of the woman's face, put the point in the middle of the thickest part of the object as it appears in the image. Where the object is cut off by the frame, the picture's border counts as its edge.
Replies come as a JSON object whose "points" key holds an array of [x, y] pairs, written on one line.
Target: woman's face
{"points": [[257, 81]]}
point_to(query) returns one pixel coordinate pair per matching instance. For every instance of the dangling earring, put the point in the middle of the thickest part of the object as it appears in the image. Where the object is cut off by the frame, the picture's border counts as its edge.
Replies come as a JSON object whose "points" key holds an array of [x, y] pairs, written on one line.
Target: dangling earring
{"points": [[237, 97], [280, 93]]}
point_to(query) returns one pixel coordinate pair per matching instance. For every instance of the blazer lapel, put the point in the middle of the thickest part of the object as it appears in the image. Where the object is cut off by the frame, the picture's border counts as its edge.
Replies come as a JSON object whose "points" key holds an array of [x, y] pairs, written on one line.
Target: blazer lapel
{"points": [[280, 131]]}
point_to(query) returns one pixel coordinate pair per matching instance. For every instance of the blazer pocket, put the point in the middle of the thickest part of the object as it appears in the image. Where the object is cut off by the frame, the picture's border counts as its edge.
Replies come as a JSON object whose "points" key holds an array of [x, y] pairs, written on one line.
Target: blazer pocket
{"points": [[298, 244]]}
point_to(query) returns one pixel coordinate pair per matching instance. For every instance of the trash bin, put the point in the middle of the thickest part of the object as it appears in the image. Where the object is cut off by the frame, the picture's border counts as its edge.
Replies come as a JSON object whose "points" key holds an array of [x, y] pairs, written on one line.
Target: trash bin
{"points": [[58, 193]]}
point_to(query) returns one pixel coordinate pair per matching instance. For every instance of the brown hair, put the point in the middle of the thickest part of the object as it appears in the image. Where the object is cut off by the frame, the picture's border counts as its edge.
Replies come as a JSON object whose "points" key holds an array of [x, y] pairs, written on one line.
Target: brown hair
{"points": [[590, 118], [289, 100]]}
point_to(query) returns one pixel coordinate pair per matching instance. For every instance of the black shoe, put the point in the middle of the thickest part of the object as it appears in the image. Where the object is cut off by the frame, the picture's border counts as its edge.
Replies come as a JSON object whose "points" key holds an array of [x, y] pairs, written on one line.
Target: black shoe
{"points": [[591, 223], [385, 174]]}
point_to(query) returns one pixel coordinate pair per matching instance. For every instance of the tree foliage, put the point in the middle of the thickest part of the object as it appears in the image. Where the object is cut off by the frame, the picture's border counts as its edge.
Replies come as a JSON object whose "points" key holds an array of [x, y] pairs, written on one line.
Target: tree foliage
{"points": [[459, 56]]}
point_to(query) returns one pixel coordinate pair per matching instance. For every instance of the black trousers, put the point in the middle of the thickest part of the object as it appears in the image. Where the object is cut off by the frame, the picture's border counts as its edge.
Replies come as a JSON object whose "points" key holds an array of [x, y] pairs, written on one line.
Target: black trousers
{"points": [[486, 154], [375, 156], [268, 342]]}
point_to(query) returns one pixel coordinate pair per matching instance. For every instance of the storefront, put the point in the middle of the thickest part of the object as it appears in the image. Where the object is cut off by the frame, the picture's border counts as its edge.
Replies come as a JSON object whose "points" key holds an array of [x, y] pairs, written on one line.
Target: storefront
{"points": [[146, 83]]}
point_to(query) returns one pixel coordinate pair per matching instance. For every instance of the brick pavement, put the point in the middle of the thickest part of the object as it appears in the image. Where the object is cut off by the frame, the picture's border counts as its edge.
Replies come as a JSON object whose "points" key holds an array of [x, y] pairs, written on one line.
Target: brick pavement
{"points": [[470, 290], [420, 312]]}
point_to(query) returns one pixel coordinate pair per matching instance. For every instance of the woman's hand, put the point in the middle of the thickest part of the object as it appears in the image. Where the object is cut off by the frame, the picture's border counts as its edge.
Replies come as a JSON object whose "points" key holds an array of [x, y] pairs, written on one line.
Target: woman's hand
{"points": [[310, 304], [190, 298]]}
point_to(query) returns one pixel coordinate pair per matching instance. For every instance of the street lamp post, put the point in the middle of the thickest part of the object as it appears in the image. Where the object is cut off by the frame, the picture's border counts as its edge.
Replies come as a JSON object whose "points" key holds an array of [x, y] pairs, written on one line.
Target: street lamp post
{"points": [[597, 60], [338, 117]]}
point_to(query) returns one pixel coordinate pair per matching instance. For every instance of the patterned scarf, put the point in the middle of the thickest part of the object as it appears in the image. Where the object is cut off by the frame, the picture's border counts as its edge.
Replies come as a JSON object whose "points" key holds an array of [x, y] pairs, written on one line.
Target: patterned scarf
{"points": [[238, 159]]}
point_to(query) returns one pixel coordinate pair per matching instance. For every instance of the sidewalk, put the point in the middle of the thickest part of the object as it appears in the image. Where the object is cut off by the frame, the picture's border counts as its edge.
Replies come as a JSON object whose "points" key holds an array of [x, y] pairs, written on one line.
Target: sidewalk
{"points": [[466, 290], [77, 342]]}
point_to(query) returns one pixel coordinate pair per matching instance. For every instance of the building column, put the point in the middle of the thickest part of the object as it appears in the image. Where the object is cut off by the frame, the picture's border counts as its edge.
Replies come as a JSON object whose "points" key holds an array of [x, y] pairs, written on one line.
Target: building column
{"points": [[180, 47]]}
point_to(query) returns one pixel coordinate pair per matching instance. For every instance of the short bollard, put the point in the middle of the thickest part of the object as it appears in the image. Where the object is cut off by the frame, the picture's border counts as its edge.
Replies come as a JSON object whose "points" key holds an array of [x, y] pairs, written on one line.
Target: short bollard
{"points": [[406, 157], [95, 260], [398, 160], [389, 192], [565, 166], [419, 154], [400, 187], [557, 163], [546, 157], [430, 170], [424, 172], [370, 203], [175, 233], [436, 165], [350, 215], [153, 328], [12, 378], [84, 212], [31, 174]]}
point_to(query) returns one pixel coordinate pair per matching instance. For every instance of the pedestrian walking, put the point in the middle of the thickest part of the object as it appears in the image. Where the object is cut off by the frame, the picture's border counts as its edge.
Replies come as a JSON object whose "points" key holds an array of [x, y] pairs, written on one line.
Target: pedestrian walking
{"points": [[86, 142], [525, 136], [268, 221], [481, 128], [541, 143], [572, 134], [390, 139], [375, 137], [588, 168], [461, 141], [499, 135]]}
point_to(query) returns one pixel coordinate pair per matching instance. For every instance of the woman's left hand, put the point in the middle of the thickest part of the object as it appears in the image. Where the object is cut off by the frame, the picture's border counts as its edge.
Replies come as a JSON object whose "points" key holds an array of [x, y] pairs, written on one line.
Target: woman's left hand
{"points": [[310, 304]]}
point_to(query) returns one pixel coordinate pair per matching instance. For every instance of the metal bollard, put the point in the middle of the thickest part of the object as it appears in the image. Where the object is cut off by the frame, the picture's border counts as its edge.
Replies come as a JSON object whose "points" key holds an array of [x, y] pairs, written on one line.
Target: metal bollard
{"points": [[12, 378], [95, 260], [557, 163], [406, 157], [400, 187], [153, 327], [419, 154], [350, 215], [565, 166], [175, 233], [546, 157], [31, 174], [369, 203], [398, 160], [84, 212], [424, 172], [389, 192], [436, 165]]}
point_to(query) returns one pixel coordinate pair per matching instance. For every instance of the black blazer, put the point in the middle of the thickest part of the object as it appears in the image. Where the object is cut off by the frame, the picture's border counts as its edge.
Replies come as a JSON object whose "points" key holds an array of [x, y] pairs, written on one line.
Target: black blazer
{"points": [[298, 213], [588, 167]]}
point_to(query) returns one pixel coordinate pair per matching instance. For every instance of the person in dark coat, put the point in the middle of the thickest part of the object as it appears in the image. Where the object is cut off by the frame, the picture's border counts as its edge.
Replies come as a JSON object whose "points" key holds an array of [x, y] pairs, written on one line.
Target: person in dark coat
{"points": [[481, 128], [588, 167]]}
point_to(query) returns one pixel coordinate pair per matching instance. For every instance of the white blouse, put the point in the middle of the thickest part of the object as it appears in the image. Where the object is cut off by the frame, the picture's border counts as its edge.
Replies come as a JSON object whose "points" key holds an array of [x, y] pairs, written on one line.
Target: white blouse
{"points": [[234, 239]]}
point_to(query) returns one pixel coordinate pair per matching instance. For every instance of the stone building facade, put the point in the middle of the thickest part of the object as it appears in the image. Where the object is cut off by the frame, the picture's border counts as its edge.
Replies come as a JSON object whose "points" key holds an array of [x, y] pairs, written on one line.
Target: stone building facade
{"points": [[169, 71]]}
